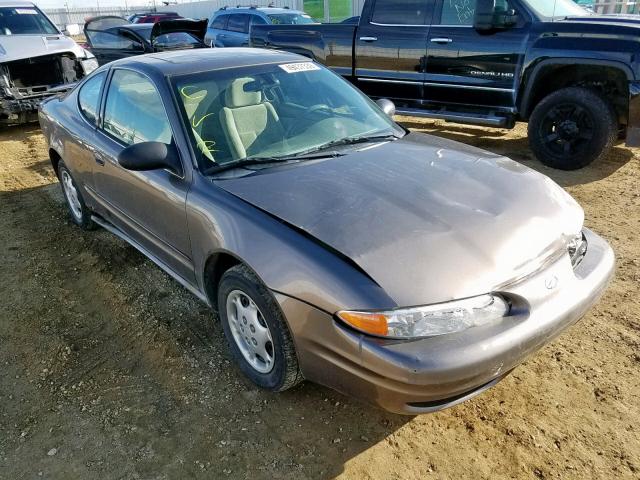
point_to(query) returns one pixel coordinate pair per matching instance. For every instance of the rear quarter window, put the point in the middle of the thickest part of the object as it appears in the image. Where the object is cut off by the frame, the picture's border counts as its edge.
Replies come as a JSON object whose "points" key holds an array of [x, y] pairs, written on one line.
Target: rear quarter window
{"points": [[89, 97], [220, 22]]}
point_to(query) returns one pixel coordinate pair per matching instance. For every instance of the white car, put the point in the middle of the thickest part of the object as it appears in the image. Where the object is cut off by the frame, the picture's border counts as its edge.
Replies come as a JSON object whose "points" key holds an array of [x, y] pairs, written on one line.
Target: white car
{"points": [[36, 60]]}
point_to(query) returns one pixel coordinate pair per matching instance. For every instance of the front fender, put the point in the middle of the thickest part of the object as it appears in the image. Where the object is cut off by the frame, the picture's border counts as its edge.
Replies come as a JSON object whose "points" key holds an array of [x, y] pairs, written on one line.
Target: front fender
{"points": [[287, 260]]}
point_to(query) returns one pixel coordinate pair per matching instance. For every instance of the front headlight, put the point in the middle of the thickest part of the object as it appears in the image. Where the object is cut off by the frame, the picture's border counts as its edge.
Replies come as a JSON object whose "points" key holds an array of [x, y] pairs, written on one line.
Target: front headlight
{"points": [[429, 320]]}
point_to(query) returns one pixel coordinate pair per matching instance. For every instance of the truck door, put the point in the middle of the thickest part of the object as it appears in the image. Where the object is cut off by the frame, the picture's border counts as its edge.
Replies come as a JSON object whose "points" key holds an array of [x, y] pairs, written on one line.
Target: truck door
{"points": [[468, 67], [391, 46]]}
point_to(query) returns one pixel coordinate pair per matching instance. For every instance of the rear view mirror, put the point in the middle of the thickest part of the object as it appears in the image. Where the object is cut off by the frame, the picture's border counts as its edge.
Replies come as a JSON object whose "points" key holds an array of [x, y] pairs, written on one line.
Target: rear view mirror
{"points": [[387, 106], [492, 15], [146, 156]]}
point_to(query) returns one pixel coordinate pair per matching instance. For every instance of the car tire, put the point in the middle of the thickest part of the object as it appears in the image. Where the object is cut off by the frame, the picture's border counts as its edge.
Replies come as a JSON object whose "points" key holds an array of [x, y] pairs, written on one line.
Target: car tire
{"points": [[256, 331], [78, 210], [572, 127]]}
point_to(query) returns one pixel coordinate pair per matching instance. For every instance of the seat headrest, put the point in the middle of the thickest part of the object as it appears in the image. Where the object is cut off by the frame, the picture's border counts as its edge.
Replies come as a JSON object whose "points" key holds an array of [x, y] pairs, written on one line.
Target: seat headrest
{"points": [[193, 96], [236, 96]]}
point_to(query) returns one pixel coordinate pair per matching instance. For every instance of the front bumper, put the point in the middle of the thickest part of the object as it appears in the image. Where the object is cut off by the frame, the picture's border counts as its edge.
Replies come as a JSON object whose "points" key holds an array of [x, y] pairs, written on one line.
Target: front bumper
{"points": [[430, 374]]}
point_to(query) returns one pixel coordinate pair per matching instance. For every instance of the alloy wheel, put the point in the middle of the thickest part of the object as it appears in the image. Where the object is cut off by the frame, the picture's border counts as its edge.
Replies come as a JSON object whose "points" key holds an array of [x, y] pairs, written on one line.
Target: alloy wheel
{"points": [[71, 194], [250, 331], [567, 129]]}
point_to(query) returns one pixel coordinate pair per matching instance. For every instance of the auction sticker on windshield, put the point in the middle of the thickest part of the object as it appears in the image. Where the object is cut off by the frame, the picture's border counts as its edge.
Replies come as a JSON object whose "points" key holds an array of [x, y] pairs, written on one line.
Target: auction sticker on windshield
{"points": [[26, 11], [299, 67]]}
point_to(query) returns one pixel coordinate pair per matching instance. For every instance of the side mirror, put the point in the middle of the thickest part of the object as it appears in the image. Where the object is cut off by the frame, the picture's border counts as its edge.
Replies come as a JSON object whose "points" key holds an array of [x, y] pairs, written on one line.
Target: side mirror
{"points": [[387, 106], [489, 16], [145, 156]]}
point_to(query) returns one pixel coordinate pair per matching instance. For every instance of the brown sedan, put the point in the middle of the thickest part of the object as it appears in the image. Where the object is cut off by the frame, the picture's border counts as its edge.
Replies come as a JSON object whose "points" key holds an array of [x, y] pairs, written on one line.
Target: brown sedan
{"points": [[407, 270]]}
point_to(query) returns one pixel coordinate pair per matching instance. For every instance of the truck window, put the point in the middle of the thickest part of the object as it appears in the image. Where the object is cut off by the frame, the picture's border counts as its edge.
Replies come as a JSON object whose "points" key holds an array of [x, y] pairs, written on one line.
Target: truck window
{"points": [[458, 12], [408, 12], [238, 22]]}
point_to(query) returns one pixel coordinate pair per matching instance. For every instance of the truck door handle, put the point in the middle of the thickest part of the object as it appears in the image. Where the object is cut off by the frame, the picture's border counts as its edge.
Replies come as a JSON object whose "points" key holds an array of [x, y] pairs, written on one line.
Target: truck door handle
{"points": [[368, 39], [441, 40], [99, 159]]}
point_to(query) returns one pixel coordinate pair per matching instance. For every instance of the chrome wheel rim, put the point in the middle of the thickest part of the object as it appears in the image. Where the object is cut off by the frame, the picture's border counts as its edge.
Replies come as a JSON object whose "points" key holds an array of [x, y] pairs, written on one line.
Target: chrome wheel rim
{"points": [[71, 194], [250, 331]]}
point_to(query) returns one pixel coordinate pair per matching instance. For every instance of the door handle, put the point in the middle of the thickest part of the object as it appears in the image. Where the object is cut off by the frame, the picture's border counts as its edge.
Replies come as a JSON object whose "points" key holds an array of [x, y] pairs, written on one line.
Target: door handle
{"points": [[368, 39], [99, 159], [441, 40]]}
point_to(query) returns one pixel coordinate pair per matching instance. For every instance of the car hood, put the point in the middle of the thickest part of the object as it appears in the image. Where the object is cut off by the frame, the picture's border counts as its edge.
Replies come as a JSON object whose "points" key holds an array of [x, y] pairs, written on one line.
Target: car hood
{"points": [[17, 47], [428, 219]]}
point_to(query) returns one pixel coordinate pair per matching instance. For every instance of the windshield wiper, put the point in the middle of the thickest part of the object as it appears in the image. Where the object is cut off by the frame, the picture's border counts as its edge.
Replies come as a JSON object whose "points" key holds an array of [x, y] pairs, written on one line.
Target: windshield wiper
{"points": [[245, 162], [345, 141], [249, 161]]}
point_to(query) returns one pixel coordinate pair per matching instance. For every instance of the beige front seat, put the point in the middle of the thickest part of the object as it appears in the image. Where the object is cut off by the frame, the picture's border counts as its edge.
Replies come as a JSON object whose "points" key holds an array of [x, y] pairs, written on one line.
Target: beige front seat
{"points": [[249, 123], [192, 99]]}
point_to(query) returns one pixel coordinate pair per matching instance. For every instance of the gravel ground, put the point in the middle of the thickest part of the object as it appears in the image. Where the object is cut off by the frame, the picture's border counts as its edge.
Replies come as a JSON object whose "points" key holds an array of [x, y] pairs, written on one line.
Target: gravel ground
{"points": [[109, 370]]}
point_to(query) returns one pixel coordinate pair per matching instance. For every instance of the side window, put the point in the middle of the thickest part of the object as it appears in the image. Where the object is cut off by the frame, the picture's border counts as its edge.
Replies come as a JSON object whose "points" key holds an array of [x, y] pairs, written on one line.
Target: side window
{"points": [[458, 12], [89, 97], [114, 39], [220, 22], [257, 20], [238, 22], [407, 12], [134, 112]]}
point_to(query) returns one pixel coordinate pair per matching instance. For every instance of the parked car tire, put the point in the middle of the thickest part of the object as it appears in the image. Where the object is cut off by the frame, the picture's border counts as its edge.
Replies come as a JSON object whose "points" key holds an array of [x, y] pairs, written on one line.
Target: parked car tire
{"points": [[256, 331], [572, 127], [78, 210]]}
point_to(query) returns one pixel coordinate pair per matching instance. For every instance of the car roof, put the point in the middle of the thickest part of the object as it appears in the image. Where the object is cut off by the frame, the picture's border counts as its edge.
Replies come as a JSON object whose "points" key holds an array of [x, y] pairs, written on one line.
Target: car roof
{"points": [[275, 10], [181, 62]]}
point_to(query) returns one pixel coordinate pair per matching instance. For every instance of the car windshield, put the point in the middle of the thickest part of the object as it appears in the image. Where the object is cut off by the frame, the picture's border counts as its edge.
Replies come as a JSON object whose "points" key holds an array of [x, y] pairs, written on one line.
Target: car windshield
{"points": [[24, 21], [275, 112], [290, 19], [557, 8]]}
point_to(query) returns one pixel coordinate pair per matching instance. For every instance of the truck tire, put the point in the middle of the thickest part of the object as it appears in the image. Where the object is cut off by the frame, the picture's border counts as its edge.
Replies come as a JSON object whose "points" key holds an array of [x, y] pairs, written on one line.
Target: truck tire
{"points": [[572, 127]]}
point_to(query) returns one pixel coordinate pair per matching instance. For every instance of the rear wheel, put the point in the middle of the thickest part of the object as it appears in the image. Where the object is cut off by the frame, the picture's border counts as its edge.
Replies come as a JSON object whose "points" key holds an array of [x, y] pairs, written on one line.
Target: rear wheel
{"points": [[78, 210], [571, 128], [256, 331]]}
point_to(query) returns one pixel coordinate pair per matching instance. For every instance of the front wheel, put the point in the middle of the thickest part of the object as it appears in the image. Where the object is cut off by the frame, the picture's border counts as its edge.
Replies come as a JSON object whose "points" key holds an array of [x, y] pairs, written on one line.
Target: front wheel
{"points": [[571, 128], [256, 331]]}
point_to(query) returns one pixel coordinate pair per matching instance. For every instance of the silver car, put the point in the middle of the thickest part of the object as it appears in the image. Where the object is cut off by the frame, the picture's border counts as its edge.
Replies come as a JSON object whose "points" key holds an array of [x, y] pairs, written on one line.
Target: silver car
{"points": [[407, 270]]}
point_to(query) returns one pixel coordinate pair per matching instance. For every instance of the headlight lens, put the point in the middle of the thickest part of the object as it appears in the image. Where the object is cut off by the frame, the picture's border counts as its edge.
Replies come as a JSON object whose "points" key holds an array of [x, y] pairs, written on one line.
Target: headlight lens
{"points": [[429, 320], [89, 65]]}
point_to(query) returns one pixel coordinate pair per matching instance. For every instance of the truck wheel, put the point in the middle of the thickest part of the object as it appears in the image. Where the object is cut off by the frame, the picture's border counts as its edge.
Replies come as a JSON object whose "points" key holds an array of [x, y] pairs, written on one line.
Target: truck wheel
{"points": [[571, 128]]}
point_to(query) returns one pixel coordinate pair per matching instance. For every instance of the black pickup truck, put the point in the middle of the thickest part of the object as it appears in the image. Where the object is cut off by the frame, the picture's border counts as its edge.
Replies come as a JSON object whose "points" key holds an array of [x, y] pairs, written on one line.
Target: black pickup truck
{"points": [[572, 75]]}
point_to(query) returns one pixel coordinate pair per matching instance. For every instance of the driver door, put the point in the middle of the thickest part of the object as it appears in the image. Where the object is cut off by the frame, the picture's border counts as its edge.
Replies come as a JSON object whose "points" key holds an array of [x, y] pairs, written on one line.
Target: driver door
{"points": [[114, 44], [468, 67], [148, 206]]}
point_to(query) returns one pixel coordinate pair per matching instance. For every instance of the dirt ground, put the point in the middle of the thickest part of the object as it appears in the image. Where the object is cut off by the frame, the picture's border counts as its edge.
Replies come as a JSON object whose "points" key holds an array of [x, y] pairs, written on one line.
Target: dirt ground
{"points": [[110, 370]]}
